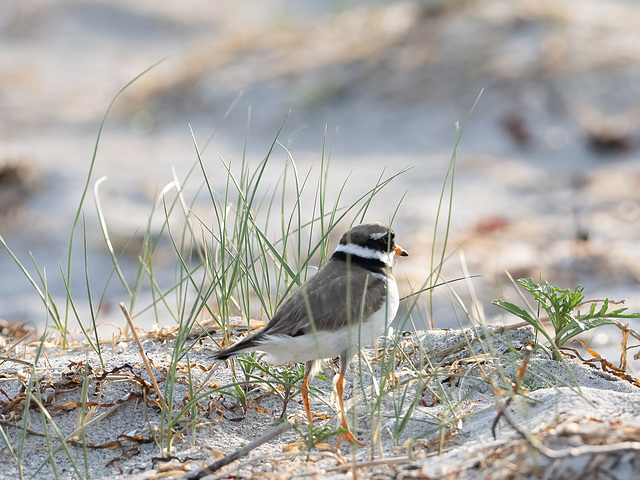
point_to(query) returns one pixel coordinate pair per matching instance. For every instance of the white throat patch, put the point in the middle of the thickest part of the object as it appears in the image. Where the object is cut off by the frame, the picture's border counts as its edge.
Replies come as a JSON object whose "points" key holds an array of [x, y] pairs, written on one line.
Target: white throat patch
{"points": [[364, 252]]}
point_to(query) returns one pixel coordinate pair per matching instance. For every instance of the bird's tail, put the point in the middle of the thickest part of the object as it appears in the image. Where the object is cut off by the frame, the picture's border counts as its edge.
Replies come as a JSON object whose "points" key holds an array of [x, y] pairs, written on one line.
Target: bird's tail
{"points": [[244, 345]]}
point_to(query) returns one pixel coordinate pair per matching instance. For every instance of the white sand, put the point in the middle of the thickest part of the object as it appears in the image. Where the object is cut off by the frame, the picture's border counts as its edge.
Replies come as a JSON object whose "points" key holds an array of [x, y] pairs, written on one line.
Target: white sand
{"points": [[568, 405]]}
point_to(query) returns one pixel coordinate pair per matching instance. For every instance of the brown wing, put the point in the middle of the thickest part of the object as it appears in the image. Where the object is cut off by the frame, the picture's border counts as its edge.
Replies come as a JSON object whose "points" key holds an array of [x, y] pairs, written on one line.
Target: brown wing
{"points": [[333, 297]]}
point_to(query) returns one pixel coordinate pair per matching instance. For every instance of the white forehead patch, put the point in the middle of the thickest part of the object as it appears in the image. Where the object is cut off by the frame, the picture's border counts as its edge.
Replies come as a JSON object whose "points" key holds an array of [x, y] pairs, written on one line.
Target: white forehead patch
{"points": [[378, 235]]}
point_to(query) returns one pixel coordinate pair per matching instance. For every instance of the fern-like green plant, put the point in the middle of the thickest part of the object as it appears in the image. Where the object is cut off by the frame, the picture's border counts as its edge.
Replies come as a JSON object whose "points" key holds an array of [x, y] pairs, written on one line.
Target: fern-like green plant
{"points": [[561, 307]]}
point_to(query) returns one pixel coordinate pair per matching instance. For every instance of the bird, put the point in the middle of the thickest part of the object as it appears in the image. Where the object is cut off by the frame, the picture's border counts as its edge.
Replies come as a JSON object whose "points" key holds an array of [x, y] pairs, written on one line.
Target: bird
{"points": [[348, 303]]}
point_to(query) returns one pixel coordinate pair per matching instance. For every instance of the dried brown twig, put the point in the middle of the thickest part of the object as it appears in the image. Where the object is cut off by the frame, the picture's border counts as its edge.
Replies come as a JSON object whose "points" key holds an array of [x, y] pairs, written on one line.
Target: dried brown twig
{"points": [[522, 369], [372, 463], [493, 330], [566, 452], [623, 347], [5, 358], [142, 354], [15, 360], [241, 452]]}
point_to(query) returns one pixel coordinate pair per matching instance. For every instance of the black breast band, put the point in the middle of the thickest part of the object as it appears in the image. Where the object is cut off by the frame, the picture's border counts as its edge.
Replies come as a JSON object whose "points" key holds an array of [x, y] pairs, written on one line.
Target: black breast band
{"points": [[372, 264]]}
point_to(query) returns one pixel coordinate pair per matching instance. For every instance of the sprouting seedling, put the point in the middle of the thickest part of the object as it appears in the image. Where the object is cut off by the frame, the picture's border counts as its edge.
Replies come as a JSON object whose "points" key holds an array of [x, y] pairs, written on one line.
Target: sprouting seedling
{"points": [[283, 381], [315, 434]]}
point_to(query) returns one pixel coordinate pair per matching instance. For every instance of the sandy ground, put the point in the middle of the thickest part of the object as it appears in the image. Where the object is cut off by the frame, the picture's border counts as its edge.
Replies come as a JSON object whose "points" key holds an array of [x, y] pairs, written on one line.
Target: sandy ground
{"points": [[566, 406]]}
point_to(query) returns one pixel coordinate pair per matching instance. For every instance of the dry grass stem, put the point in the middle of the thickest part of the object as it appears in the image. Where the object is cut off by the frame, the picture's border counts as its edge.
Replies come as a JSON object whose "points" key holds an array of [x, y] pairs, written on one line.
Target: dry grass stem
{"points": [[15, 360], [142, 354], [566, 452], [241, 452], [371, 463]]}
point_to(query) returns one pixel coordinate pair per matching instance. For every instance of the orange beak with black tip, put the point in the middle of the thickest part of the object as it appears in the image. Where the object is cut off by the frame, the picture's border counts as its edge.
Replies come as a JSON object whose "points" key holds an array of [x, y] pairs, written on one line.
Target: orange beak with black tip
{"points": [[401, 252]]}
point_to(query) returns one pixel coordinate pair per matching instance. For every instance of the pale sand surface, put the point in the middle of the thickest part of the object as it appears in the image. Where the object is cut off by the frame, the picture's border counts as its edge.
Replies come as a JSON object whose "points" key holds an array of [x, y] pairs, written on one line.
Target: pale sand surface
{"points": [[567, 404]]}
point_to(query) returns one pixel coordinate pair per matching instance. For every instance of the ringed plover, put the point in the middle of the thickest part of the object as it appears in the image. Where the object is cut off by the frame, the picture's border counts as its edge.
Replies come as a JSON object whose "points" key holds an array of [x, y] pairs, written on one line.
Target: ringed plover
{"points": [[349, 302]]}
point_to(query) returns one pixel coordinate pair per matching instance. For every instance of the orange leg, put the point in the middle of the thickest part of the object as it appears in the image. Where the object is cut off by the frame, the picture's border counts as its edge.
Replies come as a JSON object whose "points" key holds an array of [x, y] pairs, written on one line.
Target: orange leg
{"points": [[305, 398], [343, 417]]}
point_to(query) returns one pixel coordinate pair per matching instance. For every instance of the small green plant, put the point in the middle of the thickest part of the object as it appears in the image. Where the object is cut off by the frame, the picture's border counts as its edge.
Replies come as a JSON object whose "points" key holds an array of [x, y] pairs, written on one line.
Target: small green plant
{"points": [[560, 305], [238, 391], [315, 434], [283, 380], [531, 385]]}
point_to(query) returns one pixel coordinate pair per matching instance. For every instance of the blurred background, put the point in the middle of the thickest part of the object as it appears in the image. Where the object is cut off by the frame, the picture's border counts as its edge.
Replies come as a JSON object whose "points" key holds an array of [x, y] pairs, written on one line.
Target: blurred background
{"points": [[547, 180]]}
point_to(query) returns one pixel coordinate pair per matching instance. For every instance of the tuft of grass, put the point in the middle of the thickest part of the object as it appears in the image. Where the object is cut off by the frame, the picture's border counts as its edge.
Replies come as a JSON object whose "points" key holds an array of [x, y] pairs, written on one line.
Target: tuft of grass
{"points": [[447, 185], [241, 259]]}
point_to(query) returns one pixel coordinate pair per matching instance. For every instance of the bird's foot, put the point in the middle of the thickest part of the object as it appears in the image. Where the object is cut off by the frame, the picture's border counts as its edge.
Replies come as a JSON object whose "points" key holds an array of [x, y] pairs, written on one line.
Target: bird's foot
{"points": [[350, 437]]}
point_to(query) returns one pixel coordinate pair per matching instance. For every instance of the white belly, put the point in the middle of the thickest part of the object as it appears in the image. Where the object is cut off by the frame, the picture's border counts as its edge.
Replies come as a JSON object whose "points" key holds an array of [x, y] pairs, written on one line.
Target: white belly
{"points": [[331, 343]]}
